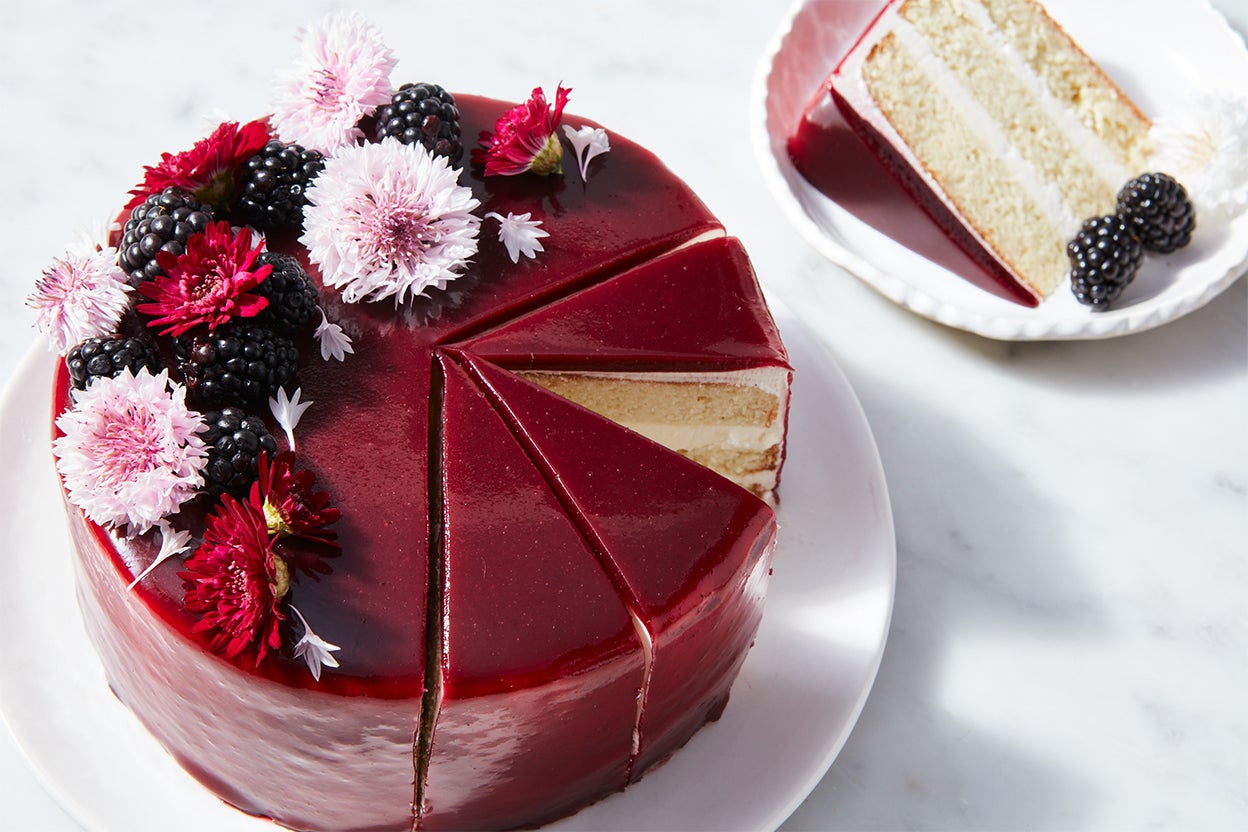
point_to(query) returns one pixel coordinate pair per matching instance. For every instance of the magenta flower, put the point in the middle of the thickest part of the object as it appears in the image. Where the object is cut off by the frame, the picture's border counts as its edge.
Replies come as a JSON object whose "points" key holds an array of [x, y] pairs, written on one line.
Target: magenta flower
{"points": [[524, 139], [290, 504], [208, 284], [81, 296], [341, 75], [130, 453], [208, 169], [235, 582]]}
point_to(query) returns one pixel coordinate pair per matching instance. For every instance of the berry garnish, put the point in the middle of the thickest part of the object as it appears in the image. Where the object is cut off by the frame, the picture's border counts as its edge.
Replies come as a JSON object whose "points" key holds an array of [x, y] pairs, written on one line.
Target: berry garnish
{"points": [[234, 442], [423, 113], [1157, 209], [273, 185], [235, 364], [1104, 258], [107, 357], [164, 222], [290, 293]]}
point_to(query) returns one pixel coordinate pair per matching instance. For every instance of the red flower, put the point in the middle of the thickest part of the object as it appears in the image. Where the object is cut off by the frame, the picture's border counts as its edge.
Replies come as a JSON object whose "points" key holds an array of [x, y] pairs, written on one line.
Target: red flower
{"points": [[208, 284], [524, 138], [208, 169], [235, 582], [291, 508]]}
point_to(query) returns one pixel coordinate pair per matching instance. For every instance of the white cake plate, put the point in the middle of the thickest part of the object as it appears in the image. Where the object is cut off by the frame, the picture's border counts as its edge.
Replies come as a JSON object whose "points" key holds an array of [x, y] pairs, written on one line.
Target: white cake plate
{"points": [[798, 696], [1163, 53]]}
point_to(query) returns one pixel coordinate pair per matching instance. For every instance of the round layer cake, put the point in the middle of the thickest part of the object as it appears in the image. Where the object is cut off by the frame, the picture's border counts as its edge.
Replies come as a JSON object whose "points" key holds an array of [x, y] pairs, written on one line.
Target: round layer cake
{"points": [[552, 479]]}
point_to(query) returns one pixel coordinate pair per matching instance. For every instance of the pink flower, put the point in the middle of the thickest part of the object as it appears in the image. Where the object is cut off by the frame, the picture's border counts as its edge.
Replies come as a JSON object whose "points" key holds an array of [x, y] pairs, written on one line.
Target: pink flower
{"points": [[81, 296], [130, 452], [342, 75], [209, 168], [389, 220], [524, 139], [208, 284], [235, 582]]}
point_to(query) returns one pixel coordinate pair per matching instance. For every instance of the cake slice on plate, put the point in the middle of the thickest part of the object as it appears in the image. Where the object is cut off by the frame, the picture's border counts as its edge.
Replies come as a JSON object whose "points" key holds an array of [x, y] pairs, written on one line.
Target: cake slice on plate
{"points": [[998, 125]]}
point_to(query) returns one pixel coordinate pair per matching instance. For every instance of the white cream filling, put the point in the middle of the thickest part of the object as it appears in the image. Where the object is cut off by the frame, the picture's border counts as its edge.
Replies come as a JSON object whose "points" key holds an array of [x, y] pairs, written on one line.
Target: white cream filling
{"points": [[746, 437], [1047, 195], [850, 83], [1085, 141]]}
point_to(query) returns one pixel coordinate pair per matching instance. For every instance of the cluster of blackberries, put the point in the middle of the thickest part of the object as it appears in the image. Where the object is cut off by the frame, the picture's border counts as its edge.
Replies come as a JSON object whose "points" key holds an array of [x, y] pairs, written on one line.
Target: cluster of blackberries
{"points": [[1154, 214], [229, 371]]}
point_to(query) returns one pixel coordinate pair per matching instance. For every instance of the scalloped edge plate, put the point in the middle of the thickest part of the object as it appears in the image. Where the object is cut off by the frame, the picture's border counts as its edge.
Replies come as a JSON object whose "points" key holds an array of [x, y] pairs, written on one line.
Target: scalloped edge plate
{"points": [[1191, 47]]}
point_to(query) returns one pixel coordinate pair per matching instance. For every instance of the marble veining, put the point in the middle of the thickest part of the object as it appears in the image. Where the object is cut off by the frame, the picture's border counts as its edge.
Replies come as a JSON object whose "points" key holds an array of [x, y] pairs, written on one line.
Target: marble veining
{"points": [[1069, 647]]}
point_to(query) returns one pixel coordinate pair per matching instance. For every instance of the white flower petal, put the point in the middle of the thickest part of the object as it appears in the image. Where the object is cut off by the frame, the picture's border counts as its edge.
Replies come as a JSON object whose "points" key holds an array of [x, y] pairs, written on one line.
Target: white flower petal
{"points": [[334, 342], [519, 234], [1206, 149], [587, 142], [288, 412], [171, 543], [314, 650]]}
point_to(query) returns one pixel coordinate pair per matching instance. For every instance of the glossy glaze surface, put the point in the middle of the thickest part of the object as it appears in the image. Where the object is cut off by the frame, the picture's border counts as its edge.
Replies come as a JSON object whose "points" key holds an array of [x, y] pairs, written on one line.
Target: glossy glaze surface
{"points": [[696, 306], [540, 651]]}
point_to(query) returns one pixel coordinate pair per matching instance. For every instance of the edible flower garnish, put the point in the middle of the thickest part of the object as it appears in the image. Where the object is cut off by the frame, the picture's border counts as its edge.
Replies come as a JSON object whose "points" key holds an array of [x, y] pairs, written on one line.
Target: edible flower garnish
{"points": [[208, 169], [236, 583], [587, 142], [291, 506], [172, 542], [389, 220], [519, 234], [209, 283], [288, 412], [524, 139], [130, 453], [82, 295], [1206, 148], [95, 238], [334, 342], [313, 649], [341, 75]]}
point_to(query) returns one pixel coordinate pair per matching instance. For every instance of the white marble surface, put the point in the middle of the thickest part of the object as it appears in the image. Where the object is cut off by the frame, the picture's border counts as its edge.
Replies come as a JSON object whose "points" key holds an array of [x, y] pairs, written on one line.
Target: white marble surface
{"points": [[1069, 648]]}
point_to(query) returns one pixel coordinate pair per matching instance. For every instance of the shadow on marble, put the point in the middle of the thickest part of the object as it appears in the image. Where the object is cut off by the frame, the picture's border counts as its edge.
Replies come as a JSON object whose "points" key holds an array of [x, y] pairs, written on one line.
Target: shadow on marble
{"points": [[1207, 344], [964, 575]]}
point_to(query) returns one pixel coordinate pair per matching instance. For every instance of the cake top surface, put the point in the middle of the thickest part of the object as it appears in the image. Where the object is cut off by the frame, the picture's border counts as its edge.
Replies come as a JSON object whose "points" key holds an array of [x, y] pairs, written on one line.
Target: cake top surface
{"points": [[604, 261]]}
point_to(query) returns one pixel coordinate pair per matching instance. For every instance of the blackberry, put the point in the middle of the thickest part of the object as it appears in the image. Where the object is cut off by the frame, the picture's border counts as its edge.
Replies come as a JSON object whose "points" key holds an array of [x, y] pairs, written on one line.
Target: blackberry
{"points": [[107, 357], [291, 295], [423, 113], [1158, 212], [163, 222], [1104, 258], [234, 441], [235, 364], [274, 183]]}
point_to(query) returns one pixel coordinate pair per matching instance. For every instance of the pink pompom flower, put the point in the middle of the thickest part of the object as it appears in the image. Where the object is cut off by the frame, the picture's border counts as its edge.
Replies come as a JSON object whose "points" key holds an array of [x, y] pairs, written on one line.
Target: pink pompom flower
{"points": [[130, 452]]}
